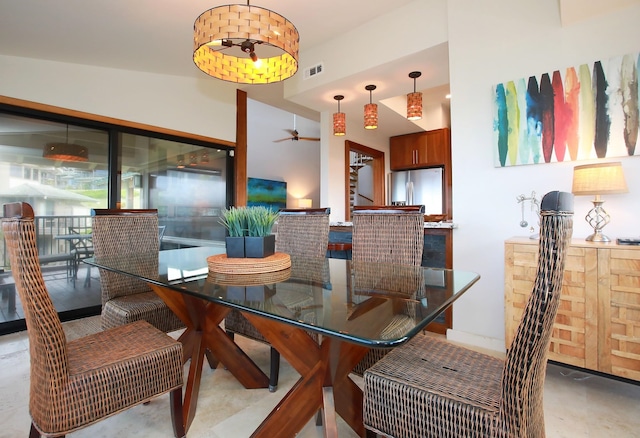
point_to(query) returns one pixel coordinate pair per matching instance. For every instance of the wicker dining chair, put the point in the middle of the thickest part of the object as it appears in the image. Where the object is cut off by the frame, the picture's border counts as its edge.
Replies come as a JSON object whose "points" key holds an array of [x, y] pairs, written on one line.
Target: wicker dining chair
{"points": [[299, 232], [386, 234], [432, 388], [126, 299], [78, 383]]}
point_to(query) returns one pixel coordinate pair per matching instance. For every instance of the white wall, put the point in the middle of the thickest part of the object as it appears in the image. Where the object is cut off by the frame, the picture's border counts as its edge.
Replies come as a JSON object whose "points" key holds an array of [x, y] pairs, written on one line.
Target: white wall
{"points": [[296, 162], [200, 106], [490, 41], [493, 41]]}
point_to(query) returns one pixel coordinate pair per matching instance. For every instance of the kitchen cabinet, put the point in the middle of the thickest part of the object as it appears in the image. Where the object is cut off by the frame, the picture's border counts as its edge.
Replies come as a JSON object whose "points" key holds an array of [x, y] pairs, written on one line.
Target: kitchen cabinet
{"points": [[421, 149], [598, 322]]}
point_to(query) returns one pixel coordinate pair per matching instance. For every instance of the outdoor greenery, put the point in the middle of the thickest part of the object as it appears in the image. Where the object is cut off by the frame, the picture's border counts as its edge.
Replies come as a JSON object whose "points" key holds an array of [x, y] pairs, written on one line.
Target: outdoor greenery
{"points": [[248, 221]]}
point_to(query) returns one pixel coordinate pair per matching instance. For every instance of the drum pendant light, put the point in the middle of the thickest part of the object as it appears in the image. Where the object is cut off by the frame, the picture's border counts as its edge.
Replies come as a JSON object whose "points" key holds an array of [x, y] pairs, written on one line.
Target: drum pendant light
{"points": [[65, 151], [228, 39]]}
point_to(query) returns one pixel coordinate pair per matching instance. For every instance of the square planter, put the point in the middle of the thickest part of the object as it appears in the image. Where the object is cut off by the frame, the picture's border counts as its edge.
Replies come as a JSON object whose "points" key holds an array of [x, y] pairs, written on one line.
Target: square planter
{"points": [[259, 247], [235, 247]]}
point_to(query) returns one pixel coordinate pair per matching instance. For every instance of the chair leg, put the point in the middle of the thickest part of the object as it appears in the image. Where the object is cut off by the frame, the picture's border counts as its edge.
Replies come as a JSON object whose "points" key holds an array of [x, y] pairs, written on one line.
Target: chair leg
{"points": [[274, 373], [177, 417], [211, 359], [33, 433], [370, 434], [319, 418]]}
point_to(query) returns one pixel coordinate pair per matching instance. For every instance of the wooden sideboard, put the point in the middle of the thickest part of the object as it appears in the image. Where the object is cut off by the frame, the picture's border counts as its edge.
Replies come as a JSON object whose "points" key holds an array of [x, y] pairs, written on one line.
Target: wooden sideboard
{"points": [[598, 322]]}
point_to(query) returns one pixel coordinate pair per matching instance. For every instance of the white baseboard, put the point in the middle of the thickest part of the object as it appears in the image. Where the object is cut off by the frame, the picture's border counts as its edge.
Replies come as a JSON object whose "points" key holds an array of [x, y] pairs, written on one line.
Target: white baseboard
{"points": [[476, 340]]}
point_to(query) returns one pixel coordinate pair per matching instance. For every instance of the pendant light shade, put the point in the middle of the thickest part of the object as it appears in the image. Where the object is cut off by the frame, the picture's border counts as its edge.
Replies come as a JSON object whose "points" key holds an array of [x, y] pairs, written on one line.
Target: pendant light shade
{"points": [[193, 158], [339, 121], [180, 161], [228, 39], [414, 100], [65, 151], [370, 111]]}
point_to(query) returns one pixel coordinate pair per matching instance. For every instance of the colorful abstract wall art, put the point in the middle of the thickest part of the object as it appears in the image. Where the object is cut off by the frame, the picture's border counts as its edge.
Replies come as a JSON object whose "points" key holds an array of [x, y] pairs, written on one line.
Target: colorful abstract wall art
{"points": [[267, 193], [582, 113]]}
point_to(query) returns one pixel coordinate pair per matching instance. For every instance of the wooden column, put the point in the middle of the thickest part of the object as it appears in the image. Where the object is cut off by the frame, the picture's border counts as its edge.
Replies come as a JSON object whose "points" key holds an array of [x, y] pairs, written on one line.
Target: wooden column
{"points": [[240, 160]]}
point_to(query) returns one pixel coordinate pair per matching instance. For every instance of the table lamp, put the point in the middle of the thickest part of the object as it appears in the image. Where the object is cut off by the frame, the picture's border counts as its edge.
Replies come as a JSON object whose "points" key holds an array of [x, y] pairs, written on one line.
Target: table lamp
{"points": [[305, 203], [598, 179]]}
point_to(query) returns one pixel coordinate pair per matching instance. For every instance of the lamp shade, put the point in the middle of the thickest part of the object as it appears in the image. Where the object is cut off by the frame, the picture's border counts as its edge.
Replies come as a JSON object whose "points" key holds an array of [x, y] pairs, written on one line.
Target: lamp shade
{"points": [[599, 179], [305, 203], [225, 38], [370, 116], [339, 119], [370, 111], [65, 152], [414, 106], [414, 100]]}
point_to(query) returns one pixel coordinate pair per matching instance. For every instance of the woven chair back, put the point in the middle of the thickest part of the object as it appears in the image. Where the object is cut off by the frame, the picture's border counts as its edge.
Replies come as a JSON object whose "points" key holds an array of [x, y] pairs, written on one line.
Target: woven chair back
{"points": [[303, 232], [128, 232], [47, 341], [521, 407], [388, 234]]}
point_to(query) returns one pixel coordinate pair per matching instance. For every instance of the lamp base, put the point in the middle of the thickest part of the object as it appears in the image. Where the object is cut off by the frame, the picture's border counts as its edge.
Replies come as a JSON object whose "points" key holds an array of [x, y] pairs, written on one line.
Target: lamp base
{"points": [[598, 237], [597, 218]]}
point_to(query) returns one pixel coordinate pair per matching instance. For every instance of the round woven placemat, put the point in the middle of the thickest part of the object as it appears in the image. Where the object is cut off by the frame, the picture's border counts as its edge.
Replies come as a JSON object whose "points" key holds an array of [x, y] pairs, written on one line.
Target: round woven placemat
{"points": [[220, 264], [249, 279]]}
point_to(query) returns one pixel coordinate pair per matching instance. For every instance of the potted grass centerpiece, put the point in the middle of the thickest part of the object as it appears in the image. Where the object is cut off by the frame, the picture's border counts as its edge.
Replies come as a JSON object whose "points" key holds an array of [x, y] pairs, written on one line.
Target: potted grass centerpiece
{"points": [[260, 242], [249, 230], [235, 221]]}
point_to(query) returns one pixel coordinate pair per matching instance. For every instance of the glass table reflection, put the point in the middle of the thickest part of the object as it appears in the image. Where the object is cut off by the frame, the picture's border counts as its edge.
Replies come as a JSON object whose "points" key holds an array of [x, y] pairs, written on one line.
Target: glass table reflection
{"points": [[350, 306]]}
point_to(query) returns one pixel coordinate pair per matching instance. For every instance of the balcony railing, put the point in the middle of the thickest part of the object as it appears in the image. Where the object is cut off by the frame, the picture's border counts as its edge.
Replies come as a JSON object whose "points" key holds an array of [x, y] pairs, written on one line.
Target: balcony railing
{"points": [[47, 227]]}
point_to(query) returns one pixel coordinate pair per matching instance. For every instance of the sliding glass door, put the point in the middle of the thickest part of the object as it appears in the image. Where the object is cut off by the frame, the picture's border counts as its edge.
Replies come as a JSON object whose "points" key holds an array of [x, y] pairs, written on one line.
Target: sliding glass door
{"points": [[66, 168]]}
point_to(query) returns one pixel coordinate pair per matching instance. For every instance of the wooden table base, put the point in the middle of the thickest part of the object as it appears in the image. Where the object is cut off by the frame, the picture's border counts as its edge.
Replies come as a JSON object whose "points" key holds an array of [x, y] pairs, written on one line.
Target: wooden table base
{"points": [[204, 337], [324, 383]]}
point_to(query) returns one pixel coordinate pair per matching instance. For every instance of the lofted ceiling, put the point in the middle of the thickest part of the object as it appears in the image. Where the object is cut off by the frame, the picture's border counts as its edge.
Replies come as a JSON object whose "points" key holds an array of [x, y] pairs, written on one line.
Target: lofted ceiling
{"points": [[157, 36]]}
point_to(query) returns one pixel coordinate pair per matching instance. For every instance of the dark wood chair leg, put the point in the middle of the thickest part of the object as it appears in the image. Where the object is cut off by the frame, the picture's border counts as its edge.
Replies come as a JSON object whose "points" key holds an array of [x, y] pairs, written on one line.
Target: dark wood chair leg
{"points": [[211, 359], [370, 434], [319, 418], [177, 417], [230, 335], [33, 433], [274, 373]]}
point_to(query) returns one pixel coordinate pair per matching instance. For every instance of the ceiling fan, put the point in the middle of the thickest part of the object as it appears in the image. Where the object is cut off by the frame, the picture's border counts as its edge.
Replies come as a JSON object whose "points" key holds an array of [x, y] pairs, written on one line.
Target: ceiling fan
{"points": [[295, 134]]}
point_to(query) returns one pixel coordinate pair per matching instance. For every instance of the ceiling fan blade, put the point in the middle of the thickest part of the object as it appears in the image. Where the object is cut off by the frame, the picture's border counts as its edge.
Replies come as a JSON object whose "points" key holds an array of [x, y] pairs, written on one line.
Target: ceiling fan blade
{"points": [[283, 139], [309, 138]]}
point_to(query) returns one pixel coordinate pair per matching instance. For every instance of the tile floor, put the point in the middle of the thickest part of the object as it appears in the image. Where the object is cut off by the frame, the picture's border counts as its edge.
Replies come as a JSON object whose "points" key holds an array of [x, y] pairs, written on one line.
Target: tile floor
{"points": [[576, 404]]}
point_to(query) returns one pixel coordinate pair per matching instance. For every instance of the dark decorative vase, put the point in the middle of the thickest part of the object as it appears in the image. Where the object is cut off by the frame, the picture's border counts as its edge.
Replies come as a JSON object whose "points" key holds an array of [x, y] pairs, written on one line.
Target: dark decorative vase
{"points": [[235, 247], [259, 247]]}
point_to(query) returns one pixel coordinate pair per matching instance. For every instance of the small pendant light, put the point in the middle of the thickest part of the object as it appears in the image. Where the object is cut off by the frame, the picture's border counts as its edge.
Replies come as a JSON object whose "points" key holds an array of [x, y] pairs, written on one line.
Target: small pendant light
{"points": [[414, 100], [370, 111], [339, 122]]}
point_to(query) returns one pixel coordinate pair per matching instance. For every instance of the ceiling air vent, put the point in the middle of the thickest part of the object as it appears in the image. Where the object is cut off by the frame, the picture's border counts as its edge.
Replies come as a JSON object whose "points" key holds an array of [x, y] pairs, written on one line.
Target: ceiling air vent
{"points": [[314, 70]]}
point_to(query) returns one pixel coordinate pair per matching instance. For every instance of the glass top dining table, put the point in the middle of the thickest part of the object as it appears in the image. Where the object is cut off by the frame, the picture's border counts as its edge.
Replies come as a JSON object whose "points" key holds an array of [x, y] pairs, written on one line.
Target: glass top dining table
{"points": [[353, 306]]}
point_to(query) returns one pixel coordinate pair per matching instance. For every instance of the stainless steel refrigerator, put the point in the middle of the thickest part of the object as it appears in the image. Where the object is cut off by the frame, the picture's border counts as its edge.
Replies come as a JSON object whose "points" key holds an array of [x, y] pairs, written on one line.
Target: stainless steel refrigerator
{"points": [[418, 187]]}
